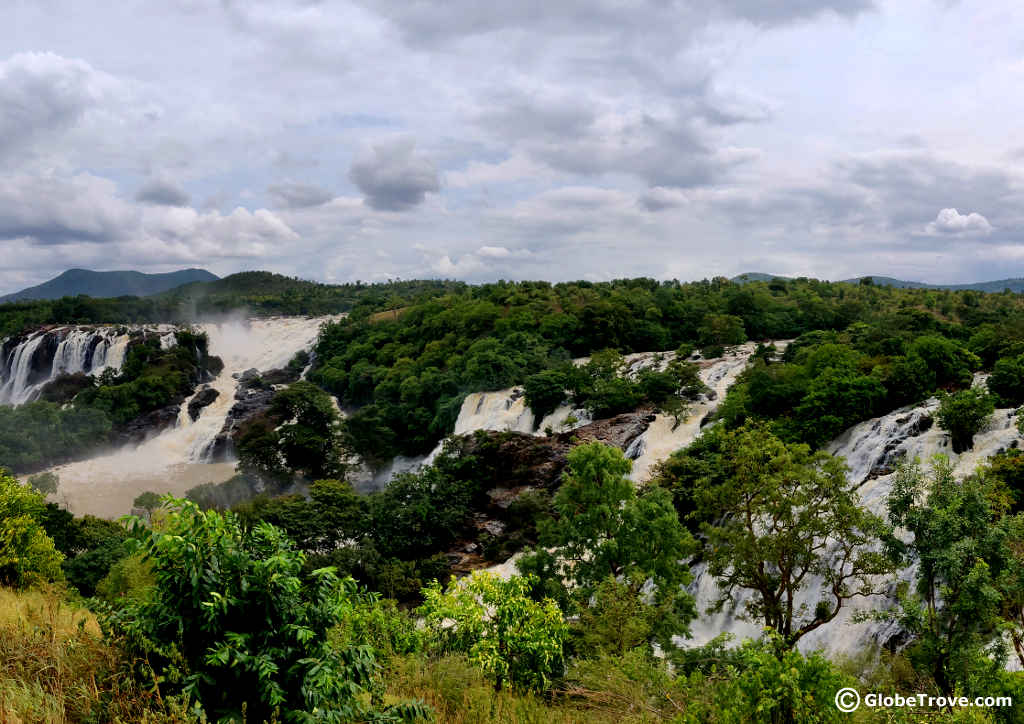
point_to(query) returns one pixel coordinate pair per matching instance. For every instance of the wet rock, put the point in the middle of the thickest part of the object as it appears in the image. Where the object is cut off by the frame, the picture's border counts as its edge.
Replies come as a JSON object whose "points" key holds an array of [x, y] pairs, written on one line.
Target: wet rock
{"points": [[252, 398], [147, 425], [203, 398]]}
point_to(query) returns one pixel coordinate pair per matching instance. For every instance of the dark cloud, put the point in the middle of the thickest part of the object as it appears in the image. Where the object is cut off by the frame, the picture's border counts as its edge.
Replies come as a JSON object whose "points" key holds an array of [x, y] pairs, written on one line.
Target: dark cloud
{"points": [[911, 188], [298, 196], [41, 94], [393, 177], [430, 23], [779, 12], [52, 210], [163, 193], [659, 199]]}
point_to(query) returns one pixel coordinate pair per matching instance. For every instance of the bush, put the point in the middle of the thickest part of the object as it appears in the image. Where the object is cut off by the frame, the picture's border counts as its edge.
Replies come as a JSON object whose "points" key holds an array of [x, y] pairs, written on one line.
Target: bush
{"points": [[27, 553], [232, 623], [544, 392], [514, 639], [1007, 381]]}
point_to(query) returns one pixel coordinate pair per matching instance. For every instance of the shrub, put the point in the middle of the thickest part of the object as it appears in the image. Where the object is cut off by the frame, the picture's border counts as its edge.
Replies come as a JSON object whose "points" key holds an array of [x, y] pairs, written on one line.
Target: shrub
{"points": [[513, 638], [27, 553], [232, 623]]}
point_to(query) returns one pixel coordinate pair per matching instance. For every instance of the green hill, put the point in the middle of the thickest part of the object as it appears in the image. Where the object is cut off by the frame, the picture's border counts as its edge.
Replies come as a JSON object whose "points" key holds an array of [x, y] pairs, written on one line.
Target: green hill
{"points": [[75, 282]]}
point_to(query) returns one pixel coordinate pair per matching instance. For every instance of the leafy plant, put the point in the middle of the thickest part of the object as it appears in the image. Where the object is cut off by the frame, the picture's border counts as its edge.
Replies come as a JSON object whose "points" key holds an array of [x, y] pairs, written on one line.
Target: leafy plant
{"points": [[514, 639], [231, 622], [27, 553]]}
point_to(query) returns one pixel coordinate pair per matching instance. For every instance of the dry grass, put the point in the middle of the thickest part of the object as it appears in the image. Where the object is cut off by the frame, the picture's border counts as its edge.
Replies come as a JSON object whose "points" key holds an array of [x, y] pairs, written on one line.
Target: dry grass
{"points": [[56, 668], [387, 315], [458, 693]]}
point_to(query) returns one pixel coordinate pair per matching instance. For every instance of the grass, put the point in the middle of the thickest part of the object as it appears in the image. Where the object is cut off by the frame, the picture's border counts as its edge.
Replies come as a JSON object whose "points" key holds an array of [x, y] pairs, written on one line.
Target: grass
{"points": [[55, 667]]}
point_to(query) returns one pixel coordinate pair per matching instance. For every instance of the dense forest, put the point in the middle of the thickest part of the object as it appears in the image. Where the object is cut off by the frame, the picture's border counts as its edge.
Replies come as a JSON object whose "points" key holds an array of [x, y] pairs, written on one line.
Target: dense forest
{"points": [[330, 605]]}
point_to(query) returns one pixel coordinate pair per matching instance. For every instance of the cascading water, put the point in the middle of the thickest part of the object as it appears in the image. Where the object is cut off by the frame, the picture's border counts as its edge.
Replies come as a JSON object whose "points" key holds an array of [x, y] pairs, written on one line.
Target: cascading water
{"points": [[506, 410], [664, 436], [173, 461], [871, 449], [27, 365]]}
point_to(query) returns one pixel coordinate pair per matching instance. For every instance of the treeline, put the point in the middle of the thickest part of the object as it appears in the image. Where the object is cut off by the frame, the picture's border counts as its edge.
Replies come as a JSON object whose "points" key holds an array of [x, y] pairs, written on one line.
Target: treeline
{"points": [[407, 373], [256, 293]]}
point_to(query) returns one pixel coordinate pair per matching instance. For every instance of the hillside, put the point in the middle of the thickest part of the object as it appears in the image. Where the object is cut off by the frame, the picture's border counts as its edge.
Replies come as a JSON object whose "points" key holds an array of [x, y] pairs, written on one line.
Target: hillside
{"points": [[75, 282], [1015, 284]]}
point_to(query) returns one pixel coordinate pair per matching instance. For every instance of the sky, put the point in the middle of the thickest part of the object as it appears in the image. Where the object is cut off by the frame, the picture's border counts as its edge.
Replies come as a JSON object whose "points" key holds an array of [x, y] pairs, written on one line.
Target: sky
{"points": [[540, 139]]}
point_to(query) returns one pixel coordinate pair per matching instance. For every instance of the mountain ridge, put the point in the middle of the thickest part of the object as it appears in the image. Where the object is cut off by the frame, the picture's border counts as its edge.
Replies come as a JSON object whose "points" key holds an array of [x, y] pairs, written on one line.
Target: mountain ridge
{"points": [[1014, 284], [119, 283]]}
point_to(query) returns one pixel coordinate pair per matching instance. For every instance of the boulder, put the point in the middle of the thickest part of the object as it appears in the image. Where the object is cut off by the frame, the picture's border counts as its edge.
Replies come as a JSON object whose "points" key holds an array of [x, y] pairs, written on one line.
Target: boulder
{"points": [[203, 398]]}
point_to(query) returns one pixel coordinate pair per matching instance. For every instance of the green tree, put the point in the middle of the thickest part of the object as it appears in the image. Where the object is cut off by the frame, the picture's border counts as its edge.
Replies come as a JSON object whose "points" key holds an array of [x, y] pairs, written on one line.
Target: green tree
{"points": [[721, 329], [148, 501], [27, 553], [1007, 381], [604, 528], [779, 517], [311, 442], [544, 392], [963, 414], [231, 622], [513, 638], [960, 545]]}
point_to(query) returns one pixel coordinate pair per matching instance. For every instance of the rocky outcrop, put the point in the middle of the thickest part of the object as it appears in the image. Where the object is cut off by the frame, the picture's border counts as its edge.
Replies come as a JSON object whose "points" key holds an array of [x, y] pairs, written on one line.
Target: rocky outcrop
{"points": [[201, 399], [518, 460], [252, 397], [146, 426]]}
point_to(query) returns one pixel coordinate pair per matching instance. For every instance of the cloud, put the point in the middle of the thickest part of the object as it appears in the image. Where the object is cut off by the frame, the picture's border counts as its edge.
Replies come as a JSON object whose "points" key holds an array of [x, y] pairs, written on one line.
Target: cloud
{"points": [[431, 24], [659, 199], [951, 221], [162, 193], [298, 196], [494, 252], [466, 266], [393, 177], [49, 209], [54, 212], [42, 94]]}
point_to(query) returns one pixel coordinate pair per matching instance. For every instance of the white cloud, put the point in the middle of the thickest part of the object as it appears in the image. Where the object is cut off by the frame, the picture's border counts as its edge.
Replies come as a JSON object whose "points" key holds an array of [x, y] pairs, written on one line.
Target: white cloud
{"points": [[951, 221]]}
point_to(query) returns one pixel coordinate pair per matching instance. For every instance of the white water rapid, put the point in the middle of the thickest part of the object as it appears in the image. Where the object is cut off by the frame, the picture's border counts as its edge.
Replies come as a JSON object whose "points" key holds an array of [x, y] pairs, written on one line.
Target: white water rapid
{"points": [[172, 461]]}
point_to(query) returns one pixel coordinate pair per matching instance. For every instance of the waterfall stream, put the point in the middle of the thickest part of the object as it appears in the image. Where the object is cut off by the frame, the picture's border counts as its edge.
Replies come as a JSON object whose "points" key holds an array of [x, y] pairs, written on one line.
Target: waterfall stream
{"points": [[173, 460]]}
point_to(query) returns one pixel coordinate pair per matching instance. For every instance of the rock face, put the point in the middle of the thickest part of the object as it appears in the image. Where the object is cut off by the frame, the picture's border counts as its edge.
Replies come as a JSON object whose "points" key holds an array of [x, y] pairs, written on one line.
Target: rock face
{"points": [[146, 426], [201, 399], [518, 460], [252, 397]]}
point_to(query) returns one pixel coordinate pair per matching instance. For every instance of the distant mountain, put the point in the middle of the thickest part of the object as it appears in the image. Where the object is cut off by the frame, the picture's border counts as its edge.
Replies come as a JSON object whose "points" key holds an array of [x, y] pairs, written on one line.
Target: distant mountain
{"points": [[110, 284], [1014, 285]]}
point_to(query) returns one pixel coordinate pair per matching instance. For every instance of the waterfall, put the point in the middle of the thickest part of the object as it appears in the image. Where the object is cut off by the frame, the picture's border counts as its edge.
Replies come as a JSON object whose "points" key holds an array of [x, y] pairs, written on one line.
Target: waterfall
{"points": [[173, 460], [872, 449], [29, 364], [664, 436]]}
